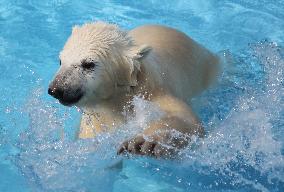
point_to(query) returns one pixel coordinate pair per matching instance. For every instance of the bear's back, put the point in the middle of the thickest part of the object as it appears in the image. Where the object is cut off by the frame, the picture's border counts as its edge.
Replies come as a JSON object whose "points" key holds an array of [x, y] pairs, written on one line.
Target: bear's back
{"points": [[176, 62]]}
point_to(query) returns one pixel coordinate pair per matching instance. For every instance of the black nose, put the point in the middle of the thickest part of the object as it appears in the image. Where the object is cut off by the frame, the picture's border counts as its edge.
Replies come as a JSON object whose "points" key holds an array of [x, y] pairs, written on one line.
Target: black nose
{"points": [[56, 92]]}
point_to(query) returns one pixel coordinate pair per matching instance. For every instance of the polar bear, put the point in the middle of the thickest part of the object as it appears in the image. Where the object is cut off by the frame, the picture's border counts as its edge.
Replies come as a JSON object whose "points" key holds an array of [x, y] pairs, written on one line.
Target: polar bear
{"points": [[102, 68]]}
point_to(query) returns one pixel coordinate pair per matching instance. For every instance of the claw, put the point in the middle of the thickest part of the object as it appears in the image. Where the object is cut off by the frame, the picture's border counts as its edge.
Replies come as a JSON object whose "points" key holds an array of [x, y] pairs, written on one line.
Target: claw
{"points": [[134, 146], [148, 148], [123, 148]]}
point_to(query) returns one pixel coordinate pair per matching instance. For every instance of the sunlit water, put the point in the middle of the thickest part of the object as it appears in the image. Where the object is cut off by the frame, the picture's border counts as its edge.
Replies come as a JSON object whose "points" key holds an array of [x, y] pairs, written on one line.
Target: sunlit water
{"points": [[243, 113]]}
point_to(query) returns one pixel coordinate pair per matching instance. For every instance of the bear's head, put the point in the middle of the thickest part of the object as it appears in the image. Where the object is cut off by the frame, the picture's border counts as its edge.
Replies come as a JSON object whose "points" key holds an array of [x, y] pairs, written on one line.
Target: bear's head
{"points": [[96, 61]]}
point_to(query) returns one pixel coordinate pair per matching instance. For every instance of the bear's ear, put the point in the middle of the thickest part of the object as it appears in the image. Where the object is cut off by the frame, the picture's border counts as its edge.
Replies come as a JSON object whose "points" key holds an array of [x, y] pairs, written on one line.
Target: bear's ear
{"points": [[75, 29], [140, 52], [129, 69]]}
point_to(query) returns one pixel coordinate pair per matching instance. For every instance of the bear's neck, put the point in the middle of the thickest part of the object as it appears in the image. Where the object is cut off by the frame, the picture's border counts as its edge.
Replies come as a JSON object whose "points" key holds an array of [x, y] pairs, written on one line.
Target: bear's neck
{"points": [[105, 116]]}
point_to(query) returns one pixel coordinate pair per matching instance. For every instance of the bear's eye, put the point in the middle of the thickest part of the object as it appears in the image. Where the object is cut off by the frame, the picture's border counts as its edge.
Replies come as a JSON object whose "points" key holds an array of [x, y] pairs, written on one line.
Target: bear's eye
{"points": [[89, 64]]}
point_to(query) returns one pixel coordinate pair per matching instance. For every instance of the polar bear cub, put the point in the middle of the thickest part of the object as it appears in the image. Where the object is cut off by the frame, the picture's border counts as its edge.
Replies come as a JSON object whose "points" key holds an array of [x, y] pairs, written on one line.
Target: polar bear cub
{"points": [[103, 67]]}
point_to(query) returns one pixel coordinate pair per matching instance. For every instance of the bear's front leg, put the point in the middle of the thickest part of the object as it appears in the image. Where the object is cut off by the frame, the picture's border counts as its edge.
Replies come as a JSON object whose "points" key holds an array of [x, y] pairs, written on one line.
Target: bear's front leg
{"points": [[165, 137]]}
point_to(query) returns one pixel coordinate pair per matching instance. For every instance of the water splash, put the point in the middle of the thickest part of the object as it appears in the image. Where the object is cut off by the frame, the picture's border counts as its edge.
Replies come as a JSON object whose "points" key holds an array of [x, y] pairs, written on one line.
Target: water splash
{"points": [[243, 149]]}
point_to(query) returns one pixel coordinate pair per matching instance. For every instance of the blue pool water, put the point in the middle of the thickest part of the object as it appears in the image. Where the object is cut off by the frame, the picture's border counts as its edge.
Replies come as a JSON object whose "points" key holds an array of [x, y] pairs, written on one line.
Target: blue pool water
{"points": [[243, 114]]}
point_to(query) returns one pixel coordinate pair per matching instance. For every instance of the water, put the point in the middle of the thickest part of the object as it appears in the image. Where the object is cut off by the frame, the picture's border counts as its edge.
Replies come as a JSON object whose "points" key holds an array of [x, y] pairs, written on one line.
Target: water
{"points": [[242, 114]]}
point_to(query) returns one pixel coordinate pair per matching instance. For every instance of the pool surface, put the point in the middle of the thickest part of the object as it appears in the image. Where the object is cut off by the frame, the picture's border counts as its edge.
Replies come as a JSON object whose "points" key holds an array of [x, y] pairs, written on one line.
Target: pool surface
{"points": [[243, 114]]}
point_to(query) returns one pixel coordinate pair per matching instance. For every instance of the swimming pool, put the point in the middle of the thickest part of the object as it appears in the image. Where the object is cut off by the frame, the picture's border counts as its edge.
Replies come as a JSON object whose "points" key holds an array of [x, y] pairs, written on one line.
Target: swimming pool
{"points": [[243, 114]]}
